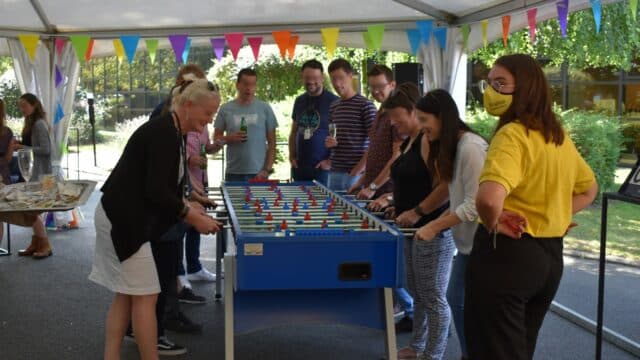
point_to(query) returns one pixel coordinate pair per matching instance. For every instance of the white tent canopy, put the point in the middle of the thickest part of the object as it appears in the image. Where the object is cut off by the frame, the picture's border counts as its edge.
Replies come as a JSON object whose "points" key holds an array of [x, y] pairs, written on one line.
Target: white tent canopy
{"points": [[106, 20]]}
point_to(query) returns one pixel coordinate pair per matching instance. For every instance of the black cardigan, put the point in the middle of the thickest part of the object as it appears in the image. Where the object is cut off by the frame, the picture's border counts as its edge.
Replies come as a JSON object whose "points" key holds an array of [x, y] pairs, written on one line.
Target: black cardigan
{"points": [[142, 197]]}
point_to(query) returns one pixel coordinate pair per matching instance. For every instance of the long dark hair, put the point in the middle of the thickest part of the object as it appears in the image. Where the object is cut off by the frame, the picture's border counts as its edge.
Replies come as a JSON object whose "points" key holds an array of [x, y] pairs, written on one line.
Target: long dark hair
{"points": [[442, 152], [404, 96], [37, 114], [532, 104]]}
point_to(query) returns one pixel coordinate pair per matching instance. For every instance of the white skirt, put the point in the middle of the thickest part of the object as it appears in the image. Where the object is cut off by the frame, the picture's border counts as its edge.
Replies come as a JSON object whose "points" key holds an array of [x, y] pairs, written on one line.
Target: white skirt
{"points": [[137, 275]]}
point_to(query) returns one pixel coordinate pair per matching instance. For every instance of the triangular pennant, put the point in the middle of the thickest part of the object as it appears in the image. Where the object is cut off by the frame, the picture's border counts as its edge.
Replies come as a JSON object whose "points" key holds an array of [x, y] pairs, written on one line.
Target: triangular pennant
{"points": [[485, 25], [152, 47], [185, 53], [563, 13], [440, 33], [466, 29], [376, 34], [218, 47], [178, 42], [87, 54], [117, 46], [80, 44], [255, 43], [58, 76], [596, 6], [130, 44], [30, 44], [282, 39], [414, 40], [531, 17], [367, 40], [330, 39], [60, 45], [633, 6], [291, 49], [506, 22], [235, 43], [425, 27], [59, 114]]}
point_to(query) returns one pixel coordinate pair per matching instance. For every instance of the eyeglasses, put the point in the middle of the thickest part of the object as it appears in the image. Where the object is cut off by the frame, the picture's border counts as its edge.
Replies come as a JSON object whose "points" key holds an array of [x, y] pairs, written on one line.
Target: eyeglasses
{"points": [[379, 87], [495, 84]]}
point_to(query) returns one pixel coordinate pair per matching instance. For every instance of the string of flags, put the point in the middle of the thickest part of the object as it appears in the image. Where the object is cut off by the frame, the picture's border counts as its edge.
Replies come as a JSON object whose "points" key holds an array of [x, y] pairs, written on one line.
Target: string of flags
{"points": [[126, 45]]}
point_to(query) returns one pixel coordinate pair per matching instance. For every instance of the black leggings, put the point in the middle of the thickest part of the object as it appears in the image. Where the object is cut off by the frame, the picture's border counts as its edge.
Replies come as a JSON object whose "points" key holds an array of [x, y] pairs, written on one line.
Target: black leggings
{"points": [[165, 254], [508, 291]]}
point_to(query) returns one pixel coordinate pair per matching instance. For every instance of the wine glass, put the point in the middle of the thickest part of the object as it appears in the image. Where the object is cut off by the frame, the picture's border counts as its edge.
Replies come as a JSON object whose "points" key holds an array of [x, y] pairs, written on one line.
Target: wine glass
{"points": [[25, 163], [333, 130]]}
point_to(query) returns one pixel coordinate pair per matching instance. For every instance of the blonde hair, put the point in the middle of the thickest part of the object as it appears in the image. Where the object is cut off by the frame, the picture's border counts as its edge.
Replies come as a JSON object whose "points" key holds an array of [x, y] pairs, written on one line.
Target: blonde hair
{"points": [[193, 90]]}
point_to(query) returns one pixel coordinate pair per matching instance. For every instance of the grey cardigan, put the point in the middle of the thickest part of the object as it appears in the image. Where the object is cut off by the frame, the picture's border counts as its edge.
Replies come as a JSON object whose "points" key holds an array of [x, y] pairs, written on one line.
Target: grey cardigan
{"points": [[41, 145]]}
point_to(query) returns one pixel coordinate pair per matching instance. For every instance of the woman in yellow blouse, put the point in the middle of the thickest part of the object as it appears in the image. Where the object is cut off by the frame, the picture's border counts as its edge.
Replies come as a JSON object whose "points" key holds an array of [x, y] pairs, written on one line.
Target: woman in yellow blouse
{"points": [[532, 183]]}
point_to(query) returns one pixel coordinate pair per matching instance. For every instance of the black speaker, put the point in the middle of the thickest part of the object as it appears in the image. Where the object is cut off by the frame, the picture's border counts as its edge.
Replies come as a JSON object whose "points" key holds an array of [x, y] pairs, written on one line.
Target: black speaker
{"points": [[409, 72]]}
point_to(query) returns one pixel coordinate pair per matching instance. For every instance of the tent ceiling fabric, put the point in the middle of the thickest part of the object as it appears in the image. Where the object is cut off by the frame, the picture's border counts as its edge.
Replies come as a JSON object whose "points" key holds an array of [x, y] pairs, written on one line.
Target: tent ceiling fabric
{"points": [[198, 18]]}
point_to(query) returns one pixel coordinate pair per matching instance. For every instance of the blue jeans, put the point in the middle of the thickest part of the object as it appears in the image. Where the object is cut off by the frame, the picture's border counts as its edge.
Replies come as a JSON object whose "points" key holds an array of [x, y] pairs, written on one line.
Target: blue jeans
{"points": [[405, 301], [192, 251], [310, 173], [238, 177], [341, 180], [455, 297]]}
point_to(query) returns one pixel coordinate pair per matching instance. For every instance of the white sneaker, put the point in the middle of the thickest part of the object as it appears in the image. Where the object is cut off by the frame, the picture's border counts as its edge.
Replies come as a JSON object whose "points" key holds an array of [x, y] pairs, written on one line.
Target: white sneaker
{"points": [[184, 282], [202, 275]]}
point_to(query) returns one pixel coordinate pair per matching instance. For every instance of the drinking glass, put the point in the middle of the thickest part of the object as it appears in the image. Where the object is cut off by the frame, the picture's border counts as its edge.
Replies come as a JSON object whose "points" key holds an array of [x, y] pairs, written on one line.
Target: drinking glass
{"points": [[333, 130], [25, 164]]}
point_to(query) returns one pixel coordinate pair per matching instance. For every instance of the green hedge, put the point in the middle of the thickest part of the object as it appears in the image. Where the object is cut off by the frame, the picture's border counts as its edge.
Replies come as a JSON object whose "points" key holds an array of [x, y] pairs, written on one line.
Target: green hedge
{"points": [[598, 137], [631, 134]]}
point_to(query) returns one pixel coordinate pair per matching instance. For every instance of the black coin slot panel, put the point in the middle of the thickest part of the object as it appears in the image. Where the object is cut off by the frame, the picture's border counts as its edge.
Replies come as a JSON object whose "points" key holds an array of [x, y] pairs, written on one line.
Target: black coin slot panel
{"points": [[354, 271]]}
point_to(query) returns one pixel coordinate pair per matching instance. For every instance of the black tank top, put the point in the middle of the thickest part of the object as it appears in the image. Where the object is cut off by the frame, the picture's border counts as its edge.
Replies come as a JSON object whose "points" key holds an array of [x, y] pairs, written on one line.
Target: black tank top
{"points": [[412, 181]]}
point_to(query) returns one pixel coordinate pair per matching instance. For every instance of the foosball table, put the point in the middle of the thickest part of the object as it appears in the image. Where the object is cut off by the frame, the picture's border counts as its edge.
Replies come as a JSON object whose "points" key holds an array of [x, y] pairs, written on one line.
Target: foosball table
{"points": [[302, 254]]}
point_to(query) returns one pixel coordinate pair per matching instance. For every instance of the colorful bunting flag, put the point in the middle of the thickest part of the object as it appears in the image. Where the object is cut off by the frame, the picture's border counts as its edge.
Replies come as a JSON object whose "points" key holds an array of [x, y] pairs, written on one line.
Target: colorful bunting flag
{"points": [[218, 47], [282, 39], [291, 49], [185, 53], [506, 22], [235, 43], [485, 25], [531, 17], [58, 76], [152, 47], [440, 33], [130, 44], [178, 43], [466, 29], [563, 13], [117, 46], [330, 39], [30, 44], [414, 40], [596, 6], [633, 6], [60, 45], [367, 40], [80, 44], [87, 55], [59, 114], [255, 43], [376, 34], [426, 28]]}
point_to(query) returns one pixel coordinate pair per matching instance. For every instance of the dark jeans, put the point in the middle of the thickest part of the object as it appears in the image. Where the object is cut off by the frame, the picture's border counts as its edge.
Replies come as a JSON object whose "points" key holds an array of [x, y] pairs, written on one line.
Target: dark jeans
{"points": [[191, 249], [165, 254], [310, 173], [508, 292]]}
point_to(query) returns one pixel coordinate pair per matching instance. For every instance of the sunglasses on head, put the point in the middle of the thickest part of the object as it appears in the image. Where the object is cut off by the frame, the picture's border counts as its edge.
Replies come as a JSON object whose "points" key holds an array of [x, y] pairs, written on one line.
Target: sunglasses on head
{"points": [[211, 86]]}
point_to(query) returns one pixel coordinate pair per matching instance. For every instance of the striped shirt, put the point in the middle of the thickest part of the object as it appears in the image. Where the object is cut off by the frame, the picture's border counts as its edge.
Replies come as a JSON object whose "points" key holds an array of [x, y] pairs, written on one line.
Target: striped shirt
{"points": [[353, 118]]}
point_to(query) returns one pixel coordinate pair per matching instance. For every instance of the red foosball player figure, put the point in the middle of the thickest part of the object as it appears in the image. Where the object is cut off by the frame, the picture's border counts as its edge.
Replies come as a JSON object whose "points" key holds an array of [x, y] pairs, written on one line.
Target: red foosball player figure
{"points": [[284, 225], [307, 217], [324, 224], [269, 217], [345, 216], [365, 224]]}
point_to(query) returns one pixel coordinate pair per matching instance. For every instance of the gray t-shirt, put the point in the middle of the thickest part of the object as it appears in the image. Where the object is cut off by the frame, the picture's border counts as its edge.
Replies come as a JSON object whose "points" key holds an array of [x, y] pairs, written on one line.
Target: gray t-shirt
{"points": [[246, 157]]}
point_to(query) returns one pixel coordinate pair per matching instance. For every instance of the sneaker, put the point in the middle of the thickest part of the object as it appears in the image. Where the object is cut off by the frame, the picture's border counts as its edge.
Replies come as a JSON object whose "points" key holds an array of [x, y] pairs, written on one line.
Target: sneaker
{"points": [[182, 280], [188, 297], [397, 311], [166, 347], [404, 325], [181, 324], [202, 275]]}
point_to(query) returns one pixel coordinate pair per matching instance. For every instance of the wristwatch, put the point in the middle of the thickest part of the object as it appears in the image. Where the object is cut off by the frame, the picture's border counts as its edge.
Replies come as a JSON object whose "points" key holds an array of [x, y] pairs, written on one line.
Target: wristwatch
{"points": [[373, 186]]}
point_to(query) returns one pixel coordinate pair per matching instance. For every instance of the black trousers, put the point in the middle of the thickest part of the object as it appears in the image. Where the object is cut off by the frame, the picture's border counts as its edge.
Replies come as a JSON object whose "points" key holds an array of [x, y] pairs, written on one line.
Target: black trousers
{"points": [[165, 254], [508, 291]]}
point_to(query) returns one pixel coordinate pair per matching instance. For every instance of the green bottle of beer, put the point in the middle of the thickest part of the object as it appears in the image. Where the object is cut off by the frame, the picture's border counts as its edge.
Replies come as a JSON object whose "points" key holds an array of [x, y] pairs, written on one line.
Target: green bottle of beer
{"points": [[243, 126]]}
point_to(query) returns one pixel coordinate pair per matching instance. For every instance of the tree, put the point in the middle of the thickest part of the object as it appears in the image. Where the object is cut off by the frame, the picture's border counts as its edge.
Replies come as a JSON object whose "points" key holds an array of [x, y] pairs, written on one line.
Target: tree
{"points": [[617, 44]]}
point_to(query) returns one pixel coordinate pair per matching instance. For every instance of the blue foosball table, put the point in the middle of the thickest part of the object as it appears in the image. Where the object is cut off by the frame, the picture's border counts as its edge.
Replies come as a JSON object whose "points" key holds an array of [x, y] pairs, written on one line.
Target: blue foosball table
{"points": [[302, 254]]}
